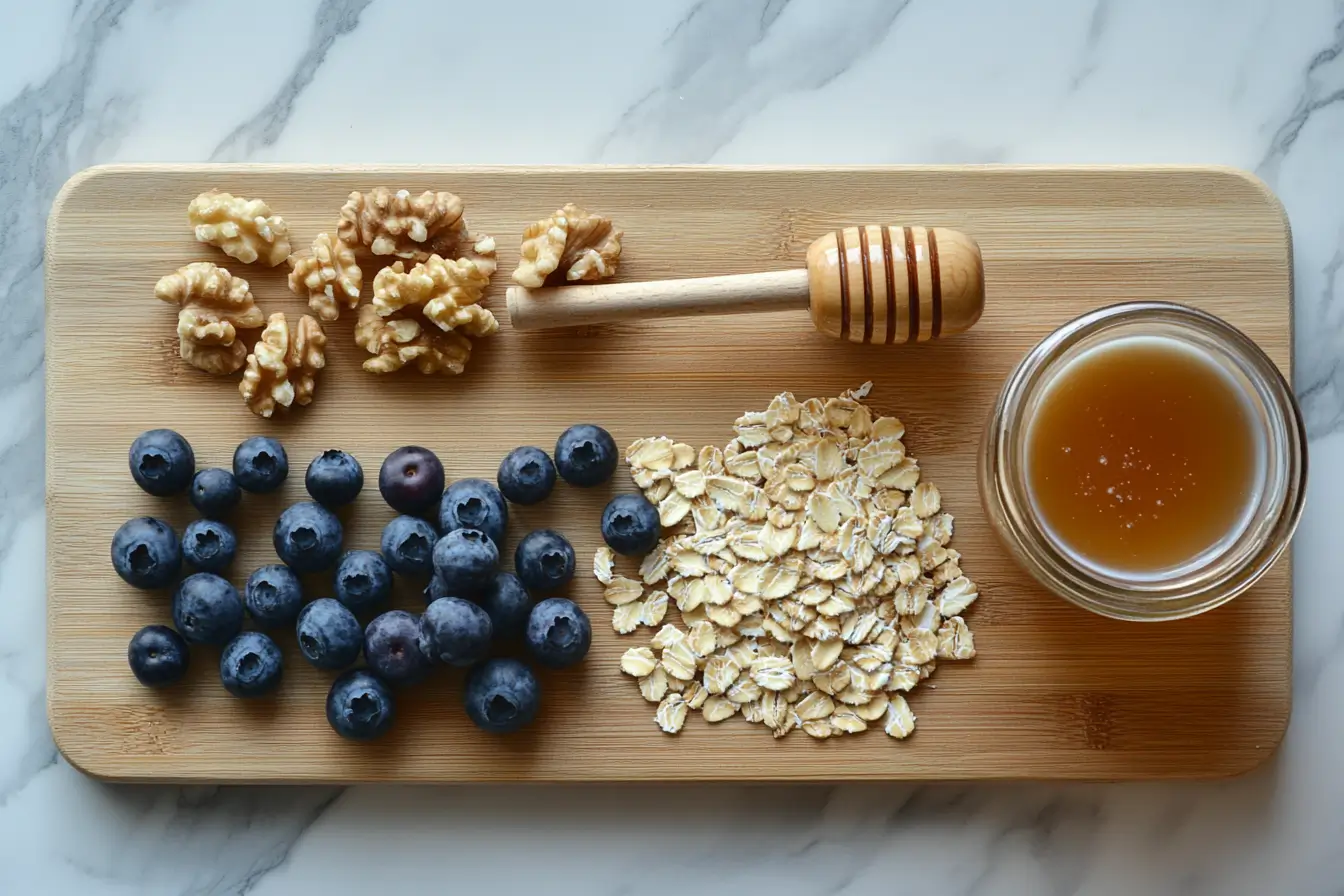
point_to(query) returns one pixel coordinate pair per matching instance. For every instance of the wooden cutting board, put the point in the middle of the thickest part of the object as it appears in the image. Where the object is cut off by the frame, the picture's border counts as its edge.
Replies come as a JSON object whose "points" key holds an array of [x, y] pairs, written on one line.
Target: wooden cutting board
{"points": [[1054, 692]]}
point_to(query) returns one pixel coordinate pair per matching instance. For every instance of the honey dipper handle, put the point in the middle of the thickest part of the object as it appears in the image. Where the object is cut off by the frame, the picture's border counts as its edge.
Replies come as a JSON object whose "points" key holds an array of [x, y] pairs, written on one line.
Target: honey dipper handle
{"points": [[567, 306]]}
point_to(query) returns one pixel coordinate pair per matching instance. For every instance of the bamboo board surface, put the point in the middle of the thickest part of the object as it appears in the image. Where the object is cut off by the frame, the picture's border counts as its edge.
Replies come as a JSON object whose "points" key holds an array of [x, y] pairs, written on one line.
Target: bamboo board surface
{"points": [[1054, 692]]}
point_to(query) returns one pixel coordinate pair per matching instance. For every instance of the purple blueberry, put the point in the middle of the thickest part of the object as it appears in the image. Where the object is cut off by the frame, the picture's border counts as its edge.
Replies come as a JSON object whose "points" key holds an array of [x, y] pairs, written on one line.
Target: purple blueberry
{"points": [[465, 561], [273, 596], [158, 656], [260, 464], [329, 635], [508, 605], [162, 462], [214, 492], [526, 475], [630, 525], [558, 633], [334, 478], [586, 455], [250, 665], [544, 561], [208, 545], [408, 546], [206, 609], [502, 695], [474, 504], [307, 537], [146, 553], [455, 632], [363, 580], [392, 647], [360, 705], [411, 479]]}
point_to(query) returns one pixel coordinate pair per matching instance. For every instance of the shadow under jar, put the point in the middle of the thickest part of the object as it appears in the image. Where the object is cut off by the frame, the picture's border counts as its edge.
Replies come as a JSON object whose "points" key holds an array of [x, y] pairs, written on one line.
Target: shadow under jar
{"points": [[1145, 461]]}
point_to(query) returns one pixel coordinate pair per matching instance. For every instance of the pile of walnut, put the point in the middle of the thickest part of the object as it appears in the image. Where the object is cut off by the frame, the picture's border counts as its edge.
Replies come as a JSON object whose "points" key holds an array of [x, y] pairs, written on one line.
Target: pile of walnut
{"points": [[811, 569]]}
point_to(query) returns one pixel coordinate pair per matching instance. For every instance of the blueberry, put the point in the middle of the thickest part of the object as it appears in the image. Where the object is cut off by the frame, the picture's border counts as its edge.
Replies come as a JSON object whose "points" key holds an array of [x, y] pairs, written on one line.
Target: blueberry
{"points": [[214, 492], [526, 475], [260, 464], [208, 545], [455, 632], [585, 455], [334, 478], [474, 504], [544, 561], [465, 561], [630, 525], [273, 596], [329, 635], [360, 705], [250, 665], [392, 647], [437, 588], [558, 633], [502, 695], [206, 609], [158, 656], [411, 479], [508, 604], [146, 553], [162, 462], [408, 546], [307, 537], [363, 580]]}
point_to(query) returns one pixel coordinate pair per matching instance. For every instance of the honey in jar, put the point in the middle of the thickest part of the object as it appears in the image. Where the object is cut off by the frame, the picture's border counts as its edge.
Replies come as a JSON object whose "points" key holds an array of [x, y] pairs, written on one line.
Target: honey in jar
{"points": [[1142, 455]]}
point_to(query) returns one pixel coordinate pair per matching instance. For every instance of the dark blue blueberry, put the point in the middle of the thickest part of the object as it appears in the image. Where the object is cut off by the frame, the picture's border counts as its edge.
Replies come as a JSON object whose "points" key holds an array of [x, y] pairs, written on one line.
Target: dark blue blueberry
{"points": [[363, 580], [359, 705], [630, 525], [558, 633], [544, 560], [158, 656], [408, 546], [585, 455], [214, 492], [455, 632], [436, 589], [465, 561], [260, 464], [526, 475], [208, 545], [502, 695], [308, 537], [474, 504], [162, 462], [392, 647], [206, 609], [411, 479], [508, 604], [146, 553], [274, 596], [334, 478], [329, 635], [250, 665]]}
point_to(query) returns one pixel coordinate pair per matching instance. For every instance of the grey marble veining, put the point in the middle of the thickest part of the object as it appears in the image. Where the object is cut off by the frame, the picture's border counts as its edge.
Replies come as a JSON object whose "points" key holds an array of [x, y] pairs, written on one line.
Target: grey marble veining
{"points": [[1252, 83]]}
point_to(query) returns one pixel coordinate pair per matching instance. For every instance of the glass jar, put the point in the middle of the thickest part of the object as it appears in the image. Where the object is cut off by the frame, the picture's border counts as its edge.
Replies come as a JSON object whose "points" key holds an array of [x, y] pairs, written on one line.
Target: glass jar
{"points": [[1213, 578]]}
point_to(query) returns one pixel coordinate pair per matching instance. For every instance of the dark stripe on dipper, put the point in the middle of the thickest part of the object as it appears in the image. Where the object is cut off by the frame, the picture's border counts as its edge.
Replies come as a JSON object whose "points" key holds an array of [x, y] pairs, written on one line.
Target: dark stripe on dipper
{"points": [[842, 263], [937, 287], [912, 277], [891, 285], [867, 285]]}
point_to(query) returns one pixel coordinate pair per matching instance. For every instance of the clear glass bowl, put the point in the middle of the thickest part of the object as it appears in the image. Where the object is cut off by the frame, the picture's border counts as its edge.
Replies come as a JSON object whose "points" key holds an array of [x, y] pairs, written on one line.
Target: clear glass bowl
{"points": [[1209, 580]]}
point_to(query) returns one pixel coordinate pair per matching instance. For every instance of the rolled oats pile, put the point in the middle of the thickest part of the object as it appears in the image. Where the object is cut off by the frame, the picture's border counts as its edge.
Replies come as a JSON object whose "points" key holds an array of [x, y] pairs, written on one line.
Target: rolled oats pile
{"points": [[810, 567]]}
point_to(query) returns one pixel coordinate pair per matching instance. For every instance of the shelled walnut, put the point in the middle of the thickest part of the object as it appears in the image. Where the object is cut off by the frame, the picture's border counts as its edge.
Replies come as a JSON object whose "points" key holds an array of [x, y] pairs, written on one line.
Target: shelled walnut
{"points": [[244, 229], [446, 291], [215, 305], [406, 338], [571, 245], [282, 367], [393, 222], [328, 276]]}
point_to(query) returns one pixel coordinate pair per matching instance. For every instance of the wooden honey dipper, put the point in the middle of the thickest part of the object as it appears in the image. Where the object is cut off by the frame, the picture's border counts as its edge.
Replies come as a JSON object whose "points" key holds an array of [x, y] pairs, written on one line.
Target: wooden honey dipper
{"points": [[862, 284]]}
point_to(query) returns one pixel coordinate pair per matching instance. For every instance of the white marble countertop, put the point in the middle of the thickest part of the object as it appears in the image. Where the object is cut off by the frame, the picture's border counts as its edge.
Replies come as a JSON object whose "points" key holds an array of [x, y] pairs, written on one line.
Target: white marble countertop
{"points": [[1253, 83]]}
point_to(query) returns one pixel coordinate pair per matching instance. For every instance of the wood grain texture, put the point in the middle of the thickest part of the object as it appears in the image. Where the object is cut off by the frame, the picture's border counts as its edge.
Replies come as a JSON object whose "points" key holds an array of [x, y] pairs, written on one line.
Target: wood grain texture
{"points": [[1054, 692]]}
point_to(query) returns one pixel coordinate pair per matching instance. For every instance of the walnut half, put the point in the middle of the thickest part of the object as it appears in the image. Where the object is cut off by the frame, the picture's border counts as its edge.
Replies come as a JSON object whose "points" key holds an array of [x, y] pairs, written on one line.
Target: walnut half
{"points": [[406, 338], [328, 276], [215, 306], [393, 222], [571, 245], [446, 291], [282, 367], [244, 229]]}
